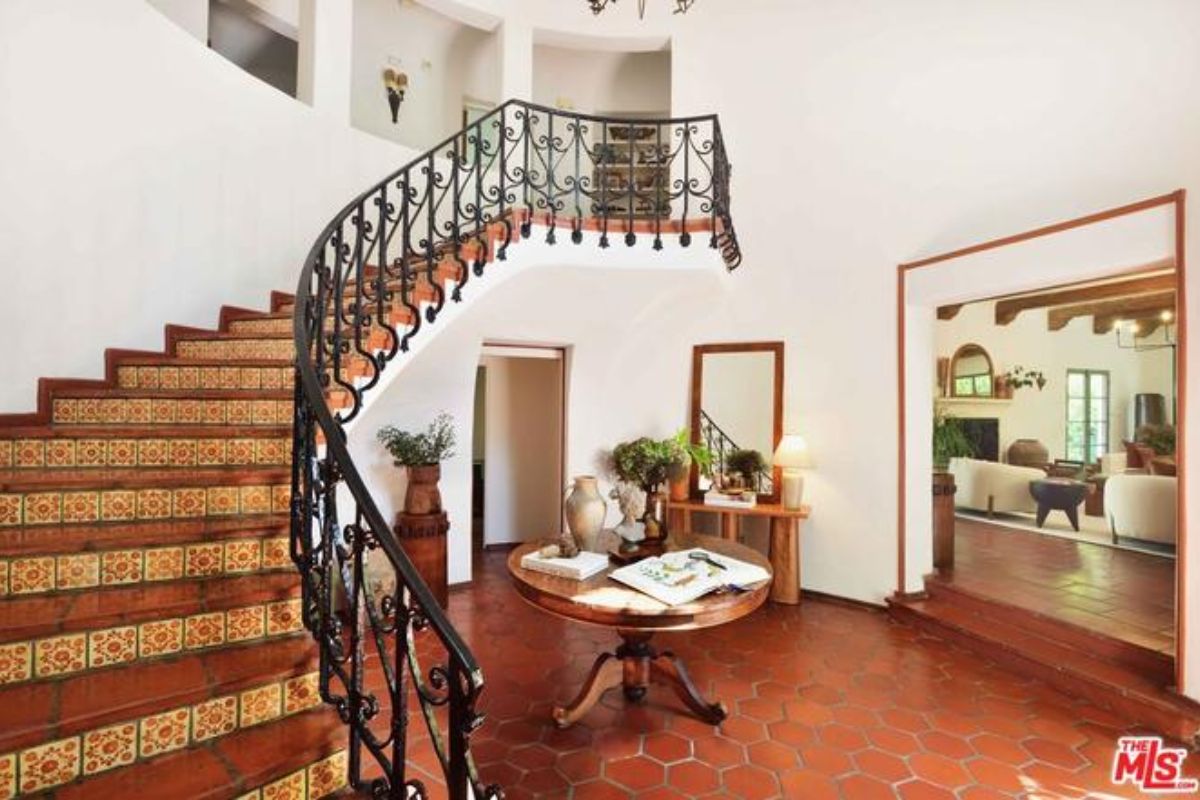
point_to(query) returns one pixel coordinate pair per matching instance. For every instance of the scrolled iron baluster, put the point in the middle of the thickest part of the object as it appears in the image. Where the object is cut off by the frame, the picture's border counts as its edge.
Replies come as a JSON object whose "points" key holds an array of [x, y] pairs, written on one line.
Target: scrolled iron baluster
{"points": [[505, 220], [630, 236]]}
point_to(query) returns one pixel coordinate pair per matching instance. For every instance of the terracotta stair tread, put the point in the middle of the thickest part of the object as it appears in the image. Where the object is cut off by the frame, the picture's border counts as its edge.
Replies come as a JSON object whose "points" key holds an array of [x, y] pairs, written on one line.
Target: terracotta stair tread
{"points": [[99, 536], [1070, 669], [36, 616], [171, 360], [37, 480], [115, 392], [225, 767], [1142, 660], [45, 710], [163, 431]]}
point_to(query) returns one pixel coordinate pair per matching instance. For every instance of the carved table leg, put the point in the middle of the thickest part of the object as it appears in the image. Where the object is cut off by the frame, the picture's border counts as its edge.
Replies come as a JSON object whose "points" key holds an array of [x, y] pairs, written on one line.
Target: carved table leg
{"points": [[606, 674], [633, 667]]}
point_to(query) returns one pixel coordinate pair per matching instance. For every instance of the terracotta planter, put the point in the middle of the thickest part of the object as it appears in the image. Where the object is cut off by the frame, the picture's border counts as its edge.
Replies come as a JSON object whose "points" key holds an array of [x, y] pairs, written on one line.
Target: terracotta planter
{"points": [[422, 495], [679, 489]]}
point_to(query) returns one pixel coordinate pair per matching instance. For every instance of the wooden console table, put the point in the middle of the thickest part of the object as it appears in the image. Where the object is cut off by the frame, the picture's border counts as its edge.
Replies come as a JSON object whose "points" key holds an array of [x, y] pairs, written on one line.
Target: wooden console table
{"points": [[785, 537]]}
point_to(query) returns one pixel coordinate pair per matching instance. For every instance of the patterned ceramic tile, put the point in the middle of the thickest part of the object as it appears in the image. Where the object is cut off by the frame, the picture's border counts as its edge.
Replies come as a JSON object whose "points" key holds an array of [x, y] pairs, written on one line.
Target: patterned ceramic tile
{"points": [[29, 453], [81, 507], [259, 705], [60, 453], [29, 575], [204, 630], [168, 377], [238, 412], [162, 733], [123, 453], [215, 717], [43, 508], [209, 378], [212, 411], [243, 555], [255, 499], [127, 377], [153, 503], [16, 662], [210, 452], [8, 776], [327, 776], [276, 553], [121, 566], [118, 505], [241, 451], [188, 412], [250, 378], [148, 377], [230, 378], [245, 623], [60, 655], [263, 412], [182, 452], [139, 411], [65, 411], [166, 411], [6, 453], [164, 564], [271, 451], [301, 693], [188, 503], [160, 637], [112, 410], [189, 377], [50, 764], [153, 453], [203, 559], [91, 453], [112, 646], [79, 571], [290, 788], [255, 795], [10, 509], [222, 500], [281, 498], [3, 577], [283, 617], [107, 748]]}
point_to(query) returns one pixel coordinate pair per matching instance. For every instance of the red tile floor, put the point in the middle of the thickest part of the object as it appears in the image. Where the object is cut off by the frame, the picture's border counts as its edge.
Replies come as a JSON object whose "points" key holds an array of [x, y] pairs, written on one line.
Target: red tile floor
{"points": [[1120, 593], [827, 701]]}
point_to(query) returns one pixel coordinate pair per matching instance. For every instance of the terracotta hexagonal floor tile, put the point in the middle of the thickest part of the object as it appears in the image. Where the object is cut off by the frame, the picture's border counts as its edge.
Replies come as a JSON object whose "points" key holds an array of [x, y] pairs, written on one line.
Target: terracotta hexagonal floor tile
{"points": [[792, 734], [579, 766], [663, 793], [808, 785], [773, 756], [843, 737], [995, 774], [635, 773], [809, 713], [898, 742], [862, 787], [920, 790], [544, 781], [946, 744], [750, 782], [998, 748], [826, 760], [1054, 753], [694, 778], [938, 770], [885, 766], [600, 790]]}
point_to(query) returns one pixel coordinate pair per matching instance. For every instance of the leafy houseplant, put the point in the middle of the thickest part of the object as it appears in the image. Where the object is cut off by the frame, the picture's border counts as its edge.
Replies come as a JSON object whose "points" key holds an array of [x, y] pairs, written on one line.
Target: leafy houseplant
{"points": [[747, 463], [1159, 438], [684, 453], [1021, 378], [422, 454], [644, 462], [949, 441]]}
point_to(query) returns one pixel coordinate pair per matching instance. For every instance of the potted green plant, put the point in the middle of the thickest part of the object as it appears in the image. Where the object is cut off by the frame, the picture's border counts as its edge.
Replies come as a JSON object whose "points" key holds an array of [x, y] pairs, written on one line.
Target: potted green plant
{"points": [[646, 463], [685, 453], [1020, 378], [422, 455], [749, 464], [1159, 438], [949, 441]]}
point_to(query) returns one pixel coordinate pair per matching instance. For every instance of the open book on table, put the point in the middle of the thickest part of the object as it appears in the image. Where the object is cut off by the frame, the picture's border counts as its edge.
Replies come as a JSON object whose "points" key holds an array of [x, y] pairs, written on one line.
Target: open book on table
{"points": [[685, 575]]}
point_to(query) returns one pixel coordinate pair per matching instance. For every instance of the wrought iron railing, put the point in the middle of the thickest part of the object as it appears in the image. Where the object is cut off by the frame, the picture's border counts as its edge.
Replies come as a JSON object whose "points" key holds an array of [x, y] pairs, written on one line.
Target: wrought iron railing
{"points": [[377, 274], [722, 445]]}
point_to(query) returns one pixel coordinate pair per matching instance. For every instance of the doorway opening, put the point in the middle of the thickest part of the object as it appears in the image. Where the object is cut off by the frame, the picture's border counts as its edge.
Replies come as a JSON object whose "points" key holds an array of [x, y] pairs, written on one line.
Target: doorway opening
{"points": [[518, 449]]}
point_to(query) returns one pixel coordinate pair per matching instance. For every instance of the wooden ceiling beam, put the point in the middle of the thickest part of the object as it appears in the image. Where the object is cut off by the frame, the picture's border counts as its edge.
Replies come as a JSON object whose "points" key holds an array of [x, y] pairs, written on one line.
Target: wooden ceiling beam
{"points": [[949, 312], [1121, 308], [1007, 310], [1147, 322]]}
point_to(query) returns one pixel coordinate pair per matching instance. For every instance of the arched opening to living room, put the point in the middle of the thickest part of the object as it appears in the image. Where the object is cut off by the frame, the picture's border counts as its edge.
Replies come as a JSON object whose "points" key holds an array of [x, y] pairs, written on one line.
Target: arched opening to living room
{"points": [[1047, 370]]}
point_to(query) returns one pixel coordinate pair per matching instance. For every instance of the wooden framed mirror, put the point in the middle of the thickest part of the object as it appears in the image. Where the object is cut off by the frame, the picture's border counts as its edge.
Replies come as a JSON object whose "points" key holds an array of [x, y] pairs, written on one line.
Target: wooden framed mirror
{"points": [[737, 403], [972, 373]]}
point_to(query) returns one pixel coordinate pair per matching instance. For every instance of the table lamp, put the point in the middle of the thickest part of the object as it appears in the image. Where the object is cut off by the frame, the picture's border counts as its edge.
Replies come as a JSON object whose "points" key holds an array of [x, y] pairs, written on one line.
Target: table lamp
{"points": [[792, 456]]}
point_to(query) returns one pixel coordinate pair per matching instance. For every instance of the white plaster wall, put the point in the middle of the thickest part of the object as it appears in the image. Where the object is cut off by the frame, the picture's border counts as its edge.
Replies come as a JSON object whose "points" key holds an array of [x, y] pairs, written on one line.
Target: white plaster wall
{"points": [[1041, 415], [445, 61], [523, 454], [595, 81], [180, 185]]}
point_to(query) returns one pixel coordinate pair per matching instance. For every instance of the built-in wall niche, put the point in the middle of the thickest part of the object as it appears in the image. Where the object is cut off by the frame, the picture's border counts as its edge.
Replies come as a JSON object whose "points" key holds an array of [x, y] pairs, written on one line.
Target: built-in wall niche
{"points": [[260, 43]]}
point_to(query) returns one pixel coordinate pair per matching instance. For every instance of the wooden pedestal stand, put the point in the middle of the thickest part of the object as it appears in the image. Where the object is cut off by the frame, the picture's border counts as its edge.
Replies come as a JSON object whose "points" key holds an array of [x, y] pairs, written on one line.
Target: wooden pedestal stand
{"points": [[943, 520], [423, 537]]}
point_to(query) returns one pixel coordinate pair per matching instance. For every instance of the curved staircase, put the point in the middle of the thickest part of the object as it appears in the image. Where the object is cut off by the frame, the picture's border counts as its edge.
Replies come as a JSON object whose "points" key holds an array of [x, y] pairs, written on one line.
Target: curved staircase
{"points": [[155, 638]]}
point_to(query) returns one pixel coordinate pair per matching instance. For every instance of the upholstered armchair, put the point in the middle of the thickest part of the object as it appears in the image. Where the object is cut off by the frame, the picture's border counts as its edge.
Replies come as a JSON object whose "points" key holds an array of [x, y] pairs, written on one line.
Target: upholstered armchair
{"points": [[1142, 507], [992, 487]]}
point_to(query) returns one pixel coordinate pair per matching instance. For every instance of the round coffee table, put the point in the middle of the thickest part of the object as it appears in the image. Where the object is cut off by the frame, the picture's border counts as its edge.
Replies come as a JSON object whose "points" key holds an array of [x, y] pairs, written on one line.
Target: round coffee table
{"points": [[635, 617], [1058, 494]]}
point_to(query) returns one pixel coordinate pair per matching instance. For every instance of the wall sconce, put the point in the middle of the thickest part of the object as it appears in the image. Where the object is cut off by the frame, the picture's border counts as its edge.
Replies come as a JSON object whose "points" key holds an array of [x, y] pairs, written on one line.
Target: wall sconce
{"points": [[396, 83]]}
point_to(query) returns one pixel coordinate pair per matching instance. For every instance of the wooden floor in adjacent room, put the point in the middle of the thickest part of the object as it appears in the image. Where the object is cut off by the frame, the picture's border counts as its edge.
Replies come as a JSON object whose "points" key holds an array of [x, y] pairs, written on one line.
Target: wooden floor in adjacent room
{"points": [[1120, 593]]}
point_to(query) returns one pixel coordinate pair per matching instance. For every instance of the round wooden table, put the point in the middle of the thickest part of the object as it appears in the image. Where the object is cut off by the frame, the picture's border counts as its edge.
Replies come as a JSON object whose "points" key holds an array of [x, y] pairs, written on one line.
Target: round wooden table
{"points": [[636, 617]]}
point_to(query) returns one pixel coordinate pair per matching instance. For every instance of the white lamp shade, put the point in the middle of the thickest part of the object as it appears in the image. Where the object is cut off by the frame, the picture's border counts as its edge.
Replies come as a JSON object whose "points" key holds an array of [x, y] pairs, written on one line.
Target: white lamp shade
{"points": [[792, 453]]}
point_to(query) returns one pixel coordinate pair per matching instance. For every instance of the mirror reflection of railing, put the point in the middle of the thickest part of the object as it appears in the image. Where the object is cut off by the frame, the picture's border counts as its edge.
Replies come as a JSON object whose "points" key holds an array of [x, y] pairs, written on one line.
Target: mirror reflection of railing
{"points": [[377, 273], [721, 444]]}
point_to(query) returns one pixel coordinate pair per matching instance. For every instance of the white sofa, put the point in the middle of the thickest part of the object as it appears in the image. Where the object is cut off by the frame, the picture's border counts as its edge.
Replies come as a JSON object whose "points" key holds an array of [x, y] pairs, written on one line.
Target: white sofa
{"points": [[992, 487], [1142, 507]]}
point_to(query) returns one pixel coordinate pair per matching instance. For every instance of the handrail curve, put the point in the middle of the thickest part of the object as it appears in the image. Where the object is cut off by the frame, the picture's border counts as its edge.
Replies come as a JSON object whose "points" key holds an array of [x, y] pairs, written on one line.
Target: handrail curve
{"points": [[376, 275]]}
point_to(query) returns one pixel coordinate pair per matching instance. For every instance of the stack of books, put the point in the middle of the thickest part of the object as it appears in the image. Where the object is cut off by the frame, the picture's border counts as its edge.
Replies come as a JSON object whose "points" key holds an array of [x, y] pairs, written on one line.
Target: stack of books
{"points": [[580, 568]]}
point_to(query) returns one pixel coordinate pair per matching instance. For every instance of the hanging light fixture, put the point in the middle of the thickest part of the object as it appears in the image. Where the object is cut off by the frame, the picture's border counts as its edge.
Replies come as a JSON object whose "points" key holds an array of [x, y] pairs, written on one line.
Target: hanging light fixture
{"points": [[681, 6], [1136, 330]]}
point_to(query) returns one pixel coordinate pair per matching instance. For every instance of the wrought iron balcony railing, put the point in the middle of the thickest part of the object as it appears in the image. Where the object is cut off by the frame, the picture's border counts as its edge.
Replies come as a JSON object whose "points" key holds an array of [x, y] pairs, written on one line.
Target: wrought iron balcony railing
{"points": [[378, 273]]}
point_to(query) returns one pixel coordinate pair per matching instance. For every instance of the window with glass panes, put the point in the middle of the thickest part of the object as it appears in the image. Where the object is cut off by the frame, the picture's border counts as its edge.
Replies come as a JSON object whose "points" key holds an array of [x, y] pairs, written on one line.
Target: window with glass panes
{"points": [[1087, 414]]}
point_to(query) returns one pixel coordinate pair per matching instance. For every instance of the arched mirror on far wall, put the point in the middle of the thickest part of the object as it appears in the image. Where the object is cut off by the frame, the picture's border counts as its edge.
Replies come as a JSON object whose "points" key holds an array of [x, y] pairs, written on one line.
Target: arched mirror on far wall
{"points": [[971, 372]]}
